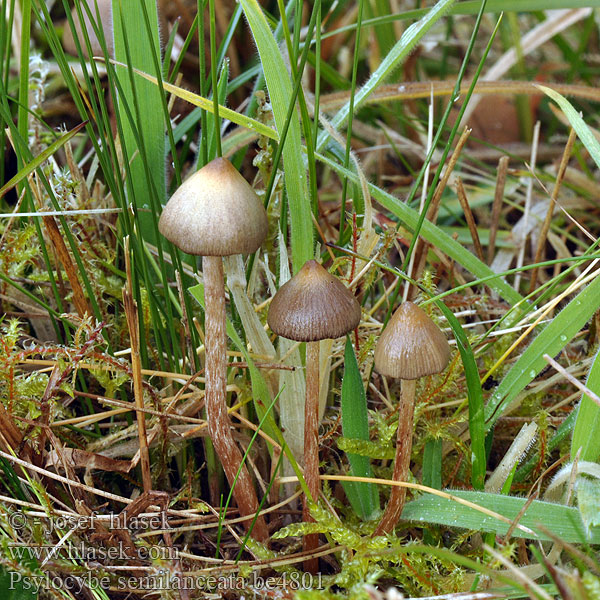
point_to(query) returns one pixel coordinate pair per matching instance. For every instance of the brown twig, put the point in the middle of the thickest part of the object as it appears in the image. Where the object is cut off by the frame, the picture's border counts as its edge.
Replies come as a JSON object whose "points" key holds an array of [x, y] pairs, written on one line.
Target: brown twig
{"points": [[497, 205], [464, 203], [546, 225], [79, 298], [421, 247]]}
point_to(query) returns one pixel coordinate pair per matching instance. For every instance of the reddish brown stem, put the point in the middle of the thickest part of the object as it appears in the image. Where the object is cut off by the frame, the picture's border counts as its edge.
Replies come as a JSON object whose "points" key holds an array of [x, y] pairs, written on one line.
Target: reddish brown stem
{"points": [[219, 424], [311, 447], [395, 504]]}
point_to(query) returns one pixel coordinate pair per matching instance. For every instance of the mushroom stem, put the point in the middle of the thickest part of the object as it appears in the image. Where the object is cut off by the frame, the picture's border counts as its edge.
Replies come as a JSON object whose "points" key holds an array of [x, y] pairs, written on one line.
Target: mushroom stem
{"points": [[219, 424], [395, 504], [311, 446]]}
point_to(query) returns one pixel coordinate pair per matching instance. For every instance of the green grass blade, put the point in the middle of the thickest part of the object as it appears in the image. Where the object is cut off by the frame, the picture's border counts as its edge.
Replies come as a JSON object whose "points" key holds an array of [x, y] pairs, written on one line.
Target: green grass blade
{"points": [[564, 521], [280, 89], [385, 33], [551, 340], [471, 7], [475, 395], [403, 47], [583, 131], [40, 158], [213, 136], [586, 434], [22, 110], [433, 234], [432, 463], [355, 425], [144, 138], [341, 228], [206, 104]]}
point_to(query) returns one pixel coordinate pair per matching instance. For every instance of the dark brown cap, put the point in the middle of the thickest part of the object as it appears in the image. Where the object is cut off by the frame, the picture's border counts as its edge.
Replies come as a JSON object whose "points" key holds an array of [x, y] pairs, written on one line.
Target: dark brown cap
{"points": [[313, 305], [215, 212], [412, 345]]}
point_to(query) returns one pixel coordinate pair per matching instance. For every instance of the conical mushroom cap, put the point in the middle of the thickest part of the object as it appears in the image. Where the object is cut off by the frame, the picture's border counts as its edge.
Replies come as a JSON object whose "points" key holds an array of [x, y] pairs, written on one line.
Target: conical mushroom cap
{"points": [[412, 345], [215, 212], [313, 305]]}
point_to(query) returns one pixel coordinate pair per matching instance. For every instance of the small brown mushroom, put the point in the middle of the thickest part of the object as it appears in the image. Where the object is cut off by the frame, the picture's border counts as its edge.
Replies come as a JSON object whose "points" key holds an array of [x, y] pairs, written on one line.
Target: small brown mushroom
{"points": [[412, 346], [313, 305], [216, 213]]}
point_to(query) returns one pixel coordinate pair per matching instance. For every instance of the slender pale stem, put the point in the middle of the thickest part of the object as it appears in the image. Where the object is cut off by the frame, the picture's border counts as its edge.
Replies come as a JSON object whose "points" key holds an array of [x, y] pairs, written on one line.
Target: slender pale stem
{"points": [[311, 445], [219, 424], [406, 410]]}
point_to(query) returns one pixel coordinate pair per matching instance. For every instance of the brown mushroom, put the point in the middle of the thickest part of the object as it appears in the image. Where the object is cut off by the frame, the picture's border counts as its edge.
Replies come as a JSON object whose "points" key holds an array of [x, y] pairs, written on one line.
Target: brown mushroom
{"points": [[216, 213], [106, 22], [412, 346], [312, 306]]}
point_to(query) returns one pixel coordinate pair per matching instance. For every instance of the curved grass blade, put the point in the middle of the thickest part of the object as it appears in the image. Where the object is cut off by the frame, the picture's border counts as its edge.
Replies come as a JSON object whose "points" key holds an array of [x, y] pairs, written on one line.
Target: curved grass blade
{"points": [[403, 47], [144, 139], [280, 90], [551, 340], [355, 425], [433, 234], [564, 521], [583, 131], [475, 395], [470, 7], [586, 433], [40, 158], [206, 104]]}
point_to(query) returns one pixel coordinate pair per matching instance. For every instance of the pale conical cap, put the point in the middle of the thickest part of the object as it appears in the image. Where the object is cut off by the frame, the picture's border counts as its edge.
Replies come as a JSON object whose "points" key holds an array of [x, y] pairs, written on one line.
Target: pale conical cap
{"points": [[215, 212], [412, 345], [313, 305]]}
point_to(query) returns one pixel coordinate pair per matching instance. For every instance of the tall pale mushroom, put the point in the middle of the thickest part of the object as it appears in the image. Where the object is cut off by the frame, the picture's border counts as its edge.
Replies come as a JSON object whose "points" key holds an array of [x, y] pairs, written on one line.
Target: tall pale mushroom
{"points": [[312, 306], [411, 346], [216, 213]]}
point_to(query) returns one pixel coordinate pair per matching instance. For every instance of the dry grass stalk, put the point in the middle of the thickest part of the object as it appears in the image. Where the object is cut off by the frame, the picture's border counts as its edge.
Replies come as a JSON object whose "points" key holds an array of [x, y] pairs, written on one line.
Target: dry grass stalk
{"points": [[464, 203], [56, 237], [420, 252], [131, 313], [546, 225], [497, 205]]}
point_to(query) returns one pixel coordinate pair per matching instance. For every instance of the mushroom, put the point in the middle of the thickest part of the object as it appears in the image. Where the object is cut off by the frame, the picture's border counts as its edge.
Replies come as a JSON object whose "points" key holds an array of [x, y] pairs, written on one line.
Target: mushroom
{"points": [[104, 8], [412, 346], [216, 213], [312, 306], [106, 22]]}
